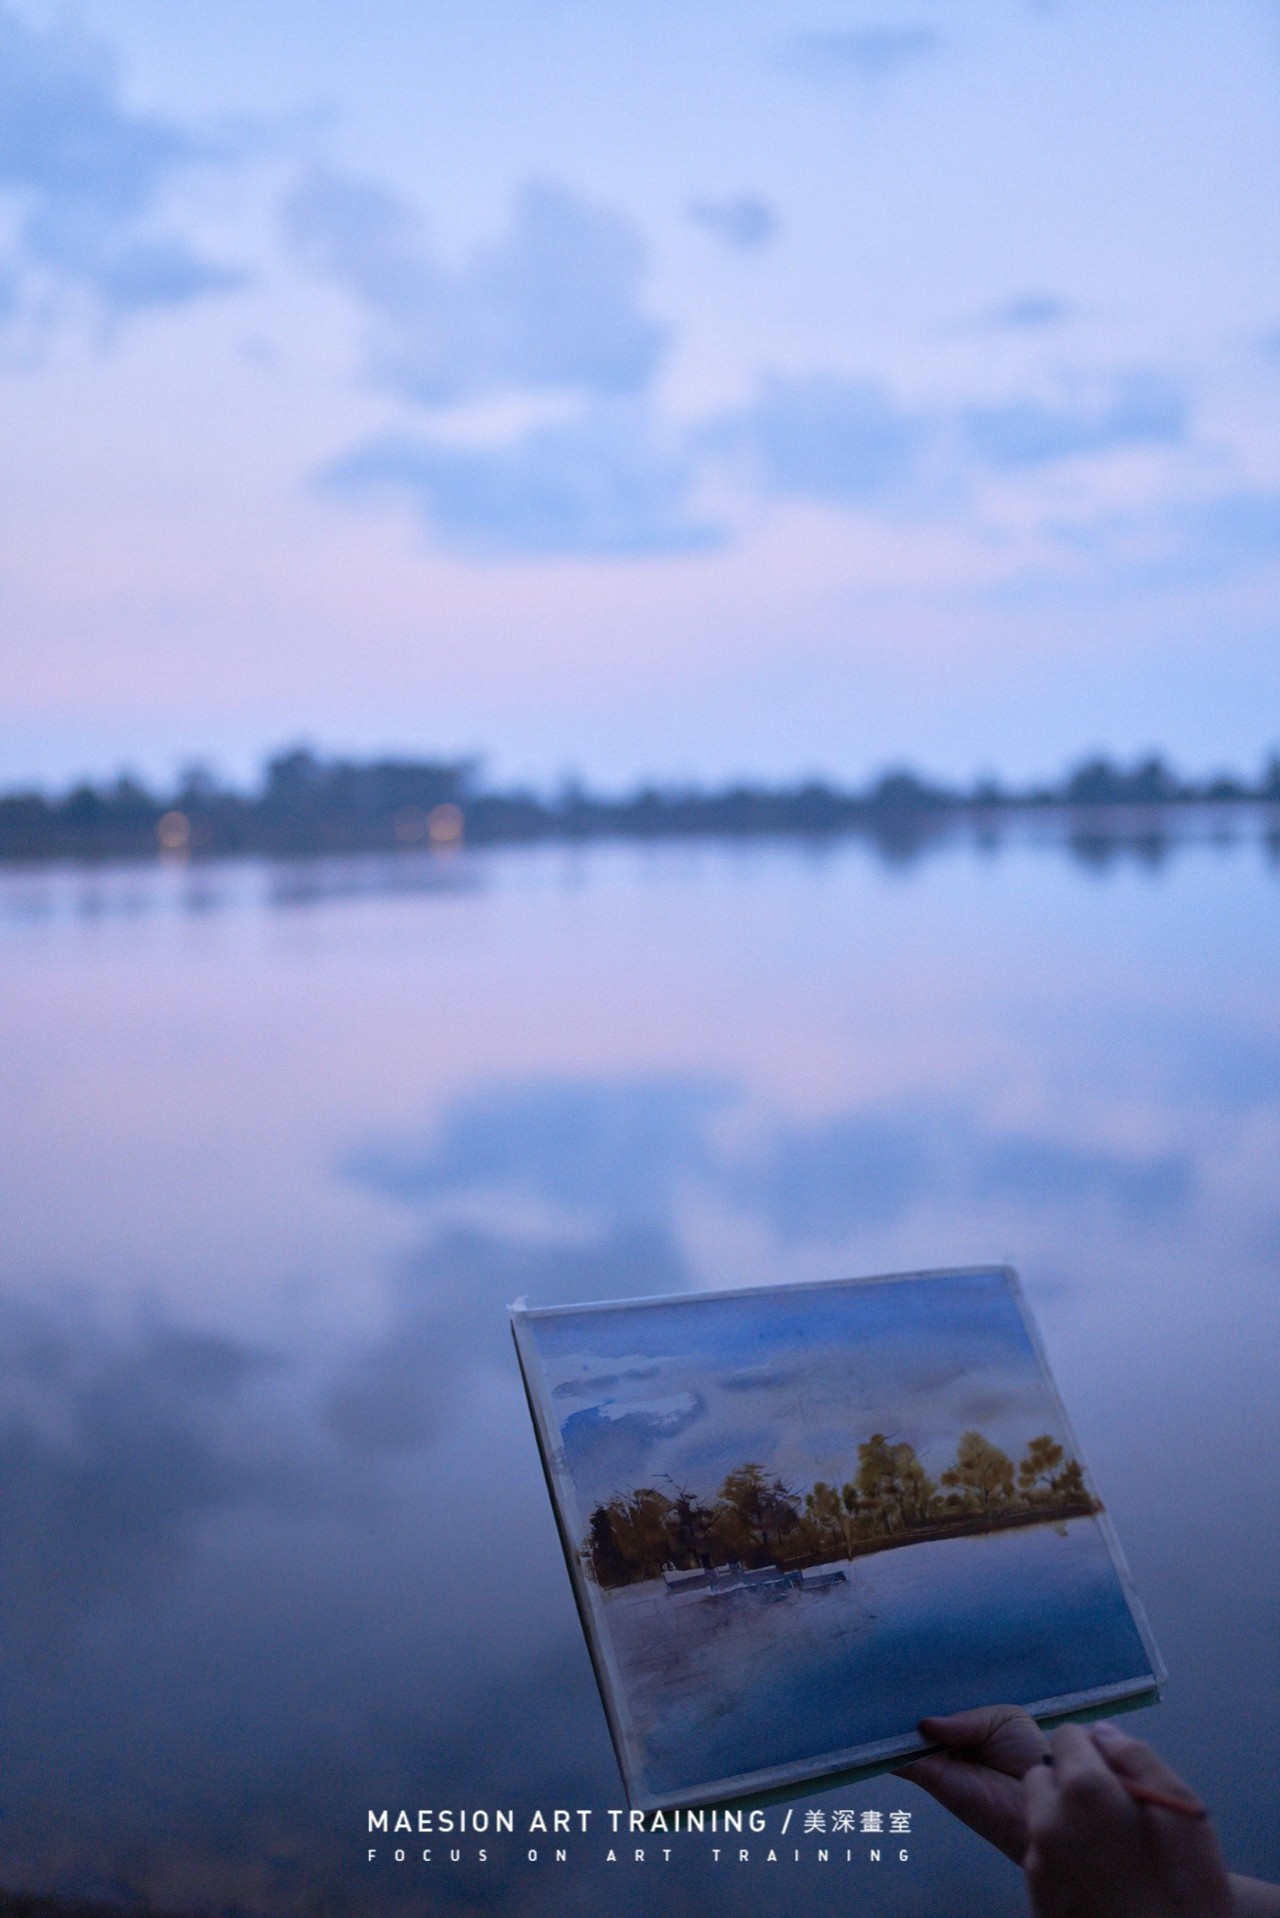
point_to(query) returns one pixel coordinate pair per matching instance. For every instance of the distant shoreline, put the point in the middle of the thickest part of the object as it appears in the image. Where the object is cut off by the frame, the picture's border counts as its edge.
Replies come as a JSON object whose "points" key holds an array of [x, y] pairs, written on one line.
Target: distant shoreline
{"points": [[927, 1535], [970, 1525], [307, 807], [974, 1525]]}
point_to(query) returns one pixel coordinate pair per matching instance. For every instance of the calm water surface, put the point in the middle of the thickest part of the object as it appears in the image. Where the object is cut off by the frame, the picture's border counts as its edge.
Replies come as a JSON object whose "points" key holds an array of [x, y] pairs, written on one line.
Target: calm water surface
{"points": [[825, 1671], [277, 1147]]}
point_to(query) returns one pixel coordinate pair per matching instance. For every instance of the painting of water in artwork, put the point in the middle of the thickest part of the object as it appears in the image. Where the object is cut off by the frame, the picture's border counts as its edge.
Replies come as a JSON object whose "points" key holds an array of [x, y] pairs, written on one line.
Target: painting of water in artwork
{"points": [[801, 1518]]}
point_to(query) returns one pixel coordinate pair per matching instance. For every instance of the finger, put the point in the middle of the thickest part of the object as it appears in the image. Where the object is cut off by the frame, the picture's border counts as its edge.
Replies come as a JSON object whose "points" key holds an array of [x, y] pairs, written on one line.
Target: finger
{"points": [[1041, 1798], [1000, 1738], [1132, 1759], [927, 1771], [965, 1729], [986, 1799], [1081, 1774], [946, 1775]]}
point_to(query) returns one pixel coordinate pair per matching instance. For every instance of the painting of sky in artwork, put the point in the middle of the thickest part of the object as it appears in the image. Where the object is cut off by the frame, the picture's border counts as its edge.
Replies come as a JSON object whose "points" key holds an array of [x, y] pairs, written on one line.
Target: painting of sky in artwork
{"points": [[807, 1516]]}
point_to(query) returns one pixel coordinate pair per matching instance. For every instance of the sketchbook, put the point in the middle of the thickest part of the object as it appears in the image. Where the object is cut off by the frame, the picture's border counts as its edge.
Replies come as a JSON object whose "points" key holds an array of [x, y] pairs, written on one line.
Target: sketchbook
{"points": [[799, 1518]]}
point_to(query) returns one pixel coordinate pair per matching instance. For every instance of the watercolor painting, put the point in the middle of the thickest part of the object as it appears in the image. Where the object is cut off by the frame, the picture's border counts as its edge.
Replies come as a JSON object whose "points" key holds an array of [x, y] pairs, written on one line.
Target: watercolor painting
{"points": [[798, 1518]]}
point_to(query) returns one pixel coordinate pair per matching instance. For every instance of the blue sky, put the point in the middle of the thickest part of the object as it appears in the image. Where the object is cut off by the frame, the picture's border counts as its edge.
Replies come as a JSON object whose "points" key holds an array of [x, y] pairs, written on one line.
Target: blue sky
{"points": [[793, 1379], [644, 389]]}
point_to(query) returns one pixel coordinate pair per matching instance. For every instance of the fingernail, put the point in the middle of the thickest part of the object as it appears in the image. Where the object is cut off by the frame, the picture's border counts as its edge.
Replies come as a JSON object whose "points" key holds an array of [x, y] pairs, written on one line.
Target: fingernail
{"points": [[1105, 1733]]}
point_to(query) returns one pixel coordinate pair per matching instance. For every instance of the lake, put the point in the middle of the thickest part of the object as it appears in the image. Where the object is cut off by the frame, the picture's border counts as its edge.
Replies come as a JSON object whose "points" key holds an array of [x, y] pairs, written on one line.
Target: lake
{"points": [[796, 1673], [281, 1142]]}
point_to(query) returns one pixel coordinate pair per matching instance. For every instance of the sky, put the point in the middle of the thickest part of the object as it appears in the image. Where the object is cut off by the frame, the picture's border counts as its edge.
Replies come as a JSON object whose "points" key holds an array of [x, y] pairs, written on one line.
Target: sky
{"points": [[794, 1382], [684, 390]]}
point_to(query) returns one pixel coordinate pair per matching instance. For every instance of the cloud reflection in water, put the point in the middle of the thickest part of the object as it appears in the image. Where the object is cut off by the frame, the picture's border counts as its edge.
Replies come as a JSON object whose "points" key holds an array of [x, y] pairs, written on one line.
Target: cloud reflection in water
{"points": [[269, 1577]]}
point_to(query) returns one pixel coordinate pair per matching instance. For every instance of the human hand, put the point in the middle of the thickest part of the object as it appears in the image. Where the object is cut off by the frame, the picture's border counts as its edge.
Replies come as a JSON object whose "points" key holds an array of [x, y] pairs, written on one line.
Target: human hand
{"points": [[1092, 1852], [978, 1776]]}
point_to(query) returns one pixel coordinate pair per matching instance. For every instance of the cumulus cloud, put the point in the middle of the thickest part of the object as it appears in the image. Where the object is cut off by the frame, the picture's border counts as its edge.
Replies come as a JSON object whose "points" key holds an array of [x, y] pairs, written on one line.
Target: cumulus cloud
{"points": [[865, 53], [851, 442], [867, 1168], [744, 221], [620, 1147], [87, 177], [1141, 409], [625, 1154], [552, 304], [822, 438], [594, 485]]}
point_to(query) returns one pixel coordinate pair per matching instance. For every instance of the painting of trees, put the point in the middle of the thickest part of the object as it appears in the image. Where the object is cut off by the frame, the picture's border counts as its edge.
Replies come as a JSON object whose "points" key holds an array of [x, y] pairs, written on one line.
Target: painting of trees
{"points": [[891, 1487], [826, 1518], [630, 1537], [1069, 1482], [757, 1519], [1036, 1471], [753, 1513], [982, 1473]]}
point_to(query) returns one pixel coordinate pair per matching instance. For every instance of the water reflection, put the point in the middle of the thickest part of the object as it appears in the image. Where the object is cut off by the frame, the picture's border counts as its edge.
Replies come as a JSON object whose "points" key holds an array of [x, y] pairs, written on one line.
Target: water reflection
{"points": [[277, 1545], [1097, 839], [629, 1150], [111, 1452], [448, 1317], [619, 1149]]}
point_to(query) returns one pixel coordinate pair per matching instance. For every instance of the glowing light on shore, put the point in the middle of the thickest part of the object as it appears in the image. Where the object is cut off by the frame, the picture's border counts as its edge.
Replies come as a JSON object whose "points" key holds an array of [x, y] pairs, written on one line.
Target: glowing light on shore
{"points": [[173, 830], [445, 826]]}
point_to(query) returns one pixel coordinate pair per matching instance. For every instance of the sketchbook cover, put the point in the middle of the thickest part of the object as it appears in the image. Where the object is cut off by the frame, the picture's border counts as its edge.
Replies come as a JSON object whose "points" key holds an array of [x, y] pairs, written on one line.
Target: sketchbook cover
{"points": [[798, 1518]]}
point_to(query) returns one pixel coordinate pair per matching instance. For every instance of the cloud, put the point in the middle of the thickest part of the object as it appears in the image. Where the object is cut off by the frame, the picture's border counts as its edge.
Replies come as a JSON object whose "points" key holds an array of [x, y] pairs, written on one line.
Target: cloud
{"points": [[670, 1414], [609, 1445], [620, 1148], [88, 176], [592, 486], [868, 1168], [110, 1452], [758, 1378], [552, 304], [1142, 409], [626, 1154], [585, 488], [398, 1393], [1035, 1171], [1032, 310], [1234, 531], [849, 1173], [1190, 542], [850, 442], [745, 221], [822, 437], [866, 53], [587, 1382]]}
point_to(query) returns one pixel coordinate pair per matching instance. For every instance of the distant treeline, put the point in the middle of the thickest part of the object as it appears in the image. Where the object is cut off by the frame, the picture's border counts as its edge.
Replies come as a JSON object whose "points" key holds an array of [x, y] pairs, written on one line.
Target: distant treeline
{"points": [[305, 804], [890, 1500]]}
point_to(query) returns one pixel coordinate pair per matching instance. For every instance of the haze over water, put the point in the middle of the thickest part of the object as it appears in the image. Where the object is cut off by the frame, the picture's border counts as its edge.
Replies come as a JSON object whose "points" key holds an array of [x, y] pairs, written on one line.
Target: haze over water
{"points": [[279, 1145]]}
